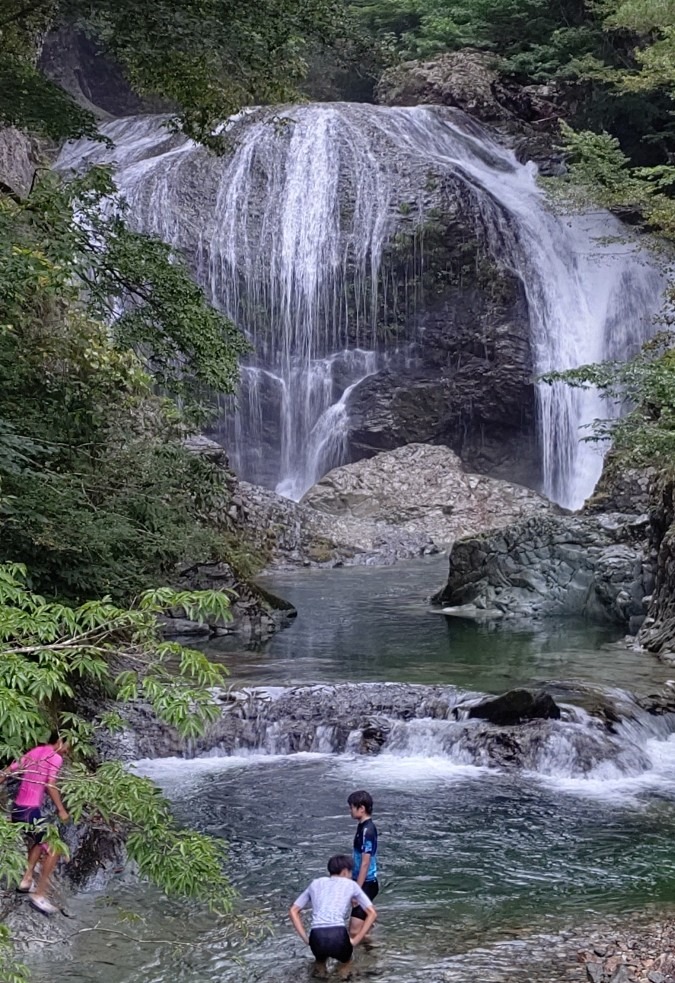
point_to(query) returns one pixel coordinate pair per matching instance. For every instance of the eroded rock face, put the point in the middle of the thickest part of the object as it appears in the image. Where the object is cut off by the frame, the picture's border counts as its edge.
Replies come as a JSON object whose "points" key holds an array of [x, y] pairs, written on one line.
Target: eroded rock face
{"points": [[471, 389], [584, 566]]}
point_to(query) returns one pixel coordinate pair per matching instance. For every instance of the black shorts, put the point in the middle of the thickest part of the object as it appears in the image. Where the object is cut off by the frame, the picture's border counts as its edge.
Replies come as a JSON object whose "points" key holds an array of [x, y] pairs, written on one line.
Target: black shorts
{"points": [[331, 943], [371, 889], [30, 817]]}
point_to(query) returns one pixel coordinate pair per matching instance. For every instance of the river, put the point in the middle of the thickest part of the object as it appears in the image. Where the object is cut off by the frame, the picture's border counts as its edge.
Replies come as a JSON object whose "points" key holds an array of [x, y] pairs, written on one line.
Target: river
{"points": [[486, 874]]}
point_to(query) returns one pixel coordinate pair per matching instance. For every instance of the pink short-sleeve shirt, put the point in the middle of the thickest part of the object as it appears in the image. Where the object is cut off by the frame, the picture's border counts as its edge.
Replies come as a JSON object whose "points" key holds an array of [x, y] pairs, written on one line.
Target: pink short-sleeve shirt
{"points": [[38, 769]]}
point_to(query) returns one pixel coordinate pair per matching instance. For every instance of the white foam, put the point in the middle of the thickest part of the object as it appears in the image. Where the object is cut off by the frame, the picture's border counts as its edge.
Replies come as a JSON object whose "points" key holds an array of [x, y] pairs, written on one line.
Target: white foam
{"points": [[175, 771], [397, 770]]}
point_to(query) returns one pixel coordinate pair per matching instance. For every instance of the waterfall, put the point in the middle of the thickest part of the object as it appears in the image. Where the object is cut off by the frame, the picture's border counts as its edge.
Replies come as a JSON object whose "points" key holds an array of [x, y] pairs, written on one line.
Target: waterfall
{"points": [[290, 233]]}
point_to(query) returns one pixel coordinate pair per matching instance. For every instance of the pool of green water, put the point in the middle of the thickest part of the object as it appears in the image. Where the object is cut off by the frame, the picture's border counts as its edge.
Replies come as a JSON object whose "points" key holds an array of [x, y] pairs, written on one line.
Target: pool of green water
{"points": [[483, 872]]}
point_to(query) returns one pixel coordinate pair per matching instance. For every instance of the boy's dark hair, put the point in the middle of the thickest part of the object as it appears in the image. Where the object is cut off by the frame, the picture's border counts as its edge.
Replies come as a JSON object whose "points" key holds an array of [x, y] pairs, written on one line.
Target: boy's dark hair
{"points": [[361, 798], [340, 862]]}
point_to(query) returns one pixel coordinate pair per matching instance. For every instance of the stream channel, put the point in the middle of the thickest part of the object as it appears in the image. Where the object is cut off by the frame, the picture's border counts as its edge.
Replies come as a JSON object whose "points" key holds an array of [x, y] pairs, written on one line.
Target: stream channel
{"points": [[486, 874]]}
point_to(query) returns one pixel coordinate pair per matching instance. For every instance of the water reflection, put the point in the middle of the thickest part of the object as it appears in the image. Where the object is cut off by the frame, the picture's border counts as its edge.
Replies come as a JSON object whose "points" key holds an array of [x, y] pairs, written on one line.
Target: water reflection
{"points": [[366, 624]]}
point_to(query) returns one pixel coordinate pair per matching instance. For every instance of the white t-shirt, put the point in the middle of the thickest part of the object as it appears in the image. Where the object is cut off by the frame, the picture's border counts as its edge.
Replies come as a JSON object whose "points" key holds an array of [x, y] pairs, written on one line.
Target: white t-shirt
{"points": [[331, 900]]}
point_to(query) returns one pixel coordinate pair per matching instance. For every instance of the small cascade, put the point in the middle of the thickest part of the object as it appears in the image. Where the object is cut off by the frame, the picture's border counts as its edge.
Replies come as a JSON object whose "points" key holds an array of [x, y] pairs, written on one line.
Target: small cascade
{"points": [[294, 233], [398, 721]]}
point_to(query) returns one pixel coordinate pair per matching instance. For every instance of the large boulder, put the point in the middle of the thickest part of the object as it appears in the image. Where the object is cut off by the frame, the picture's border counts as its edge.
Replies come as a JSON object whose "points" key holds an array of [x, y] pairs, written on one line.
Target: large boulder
{"points": [[424, 491], [400, 504], [586, 566], [467, 80], [516, 707]]}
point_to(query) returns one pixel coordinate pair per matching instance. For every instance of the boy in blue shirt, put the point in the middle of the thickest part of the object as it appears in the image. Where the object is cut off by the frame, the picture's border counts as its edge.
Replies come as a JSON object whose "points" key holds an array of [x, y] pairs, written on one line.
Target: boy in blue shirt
{"points": [[365, 854]]}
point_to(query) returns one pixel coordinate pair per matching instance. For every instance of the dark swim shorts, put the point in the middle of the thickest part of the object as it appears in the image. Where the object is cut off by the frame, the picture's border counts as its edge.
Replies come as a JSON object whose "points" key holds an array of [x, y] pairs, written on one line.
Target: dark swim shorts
{"points": [[331, 943], [31, 817], [371, 889]]}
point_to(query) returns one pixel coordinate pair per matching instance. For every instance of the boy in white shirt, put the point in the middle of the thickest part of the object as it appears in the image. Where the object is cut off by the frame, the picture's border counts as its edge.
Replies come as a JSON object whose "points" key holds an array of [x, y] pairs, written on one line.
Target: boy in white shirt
{"points": [[331, 900]]}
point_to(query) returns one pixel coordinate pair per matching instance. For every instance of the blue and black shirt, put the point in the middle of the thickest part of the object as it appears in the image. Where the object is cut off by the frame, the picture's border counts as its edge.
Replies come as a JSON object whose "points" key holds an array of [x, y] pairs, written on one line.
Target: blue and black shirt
{"points": [[365, 841]]}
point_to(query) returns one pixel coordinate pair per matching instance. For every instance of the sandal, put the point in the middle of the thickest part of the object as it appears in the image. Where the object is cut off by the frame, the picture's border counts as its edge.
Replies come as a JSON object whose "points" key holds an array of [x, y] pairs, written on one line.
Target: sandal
{"points": [[42, 905]]}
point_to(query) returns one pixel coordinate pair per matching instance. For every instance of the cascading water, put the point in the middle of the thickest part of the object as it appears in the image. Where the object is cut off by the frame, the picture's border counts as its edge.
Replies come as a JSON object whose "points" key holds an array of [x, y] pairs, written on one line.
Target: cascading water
{"points": [[290, 234], [390, 721]]}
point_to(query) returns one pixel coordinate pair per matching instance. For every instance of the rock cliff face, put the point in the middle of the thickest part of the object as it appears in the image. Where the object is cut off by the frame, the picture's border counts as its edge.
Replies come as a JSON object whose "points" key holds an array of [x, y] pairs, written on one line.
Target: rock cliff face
{"points": [[472, 391], [72, 60], [20, 155], [526, 116]]}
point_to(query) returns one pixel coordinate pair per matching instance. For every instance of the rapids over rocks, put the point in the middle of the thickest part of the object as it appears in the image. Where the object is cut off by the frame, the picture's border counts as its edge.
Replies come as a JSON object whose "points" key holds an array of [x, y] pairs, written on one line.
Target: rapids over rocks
{"points": [[506, 827], [318, 232]]}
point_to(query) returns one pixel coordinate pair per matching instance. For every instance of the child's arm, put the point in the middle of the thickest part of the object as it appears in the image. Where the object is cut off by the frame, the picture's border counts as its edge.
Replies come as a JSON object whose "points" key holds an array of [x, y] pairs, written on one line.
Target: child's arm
{"points": [[371, 915], [363, 869], [294, 913], [55, 796]]}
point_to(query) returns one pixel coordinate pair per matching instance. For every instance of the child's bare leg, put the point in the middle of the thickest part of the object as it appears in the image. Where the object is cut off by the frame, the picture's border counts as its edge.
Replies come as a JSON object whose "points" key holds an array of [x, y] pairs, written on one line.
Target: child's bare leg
{"points": [[33, 856], [49, 862], [319, 969], [345, 970]]}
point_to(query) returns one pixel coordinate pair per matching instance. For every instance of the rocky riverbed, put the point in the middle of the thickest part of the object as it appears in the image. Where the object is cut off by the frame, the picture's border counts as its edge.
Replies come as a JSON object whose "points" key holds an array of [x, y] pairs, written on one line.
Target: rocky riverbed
{"points": [[641, 954]]}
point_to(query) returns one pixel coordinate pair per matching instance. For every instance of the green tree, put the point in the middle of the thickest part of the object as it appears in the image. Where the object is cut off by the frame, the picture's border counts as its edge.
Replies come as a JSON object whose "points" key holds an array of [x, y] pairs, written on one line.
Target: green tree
{"points": [[97, 493], [207, 58], [48, 653]]}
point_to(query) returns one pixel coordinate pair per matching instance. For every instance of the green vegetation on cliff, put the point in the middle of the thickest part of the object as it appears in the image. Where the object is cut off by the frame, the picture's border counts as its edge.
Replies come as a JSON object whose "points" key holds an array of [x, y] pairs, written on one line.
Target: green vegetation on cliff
{"points": [[97, 494]]}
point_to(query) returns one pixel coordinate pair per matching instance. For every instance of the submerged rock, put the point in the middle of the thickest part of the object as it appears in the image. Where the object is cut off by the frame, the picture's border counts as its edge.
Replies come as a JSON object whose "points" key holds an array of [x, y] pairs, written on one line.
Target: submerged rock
{"points": [[515, 707], [638, 953]]}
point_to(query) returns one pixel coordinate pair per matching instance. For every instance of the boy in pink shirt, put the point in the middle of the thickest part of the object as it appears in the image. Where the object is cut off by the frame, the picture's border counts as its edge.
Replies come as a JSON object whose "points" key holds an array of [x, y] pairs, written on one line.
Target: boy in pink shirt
{"points": [[38, 770]]}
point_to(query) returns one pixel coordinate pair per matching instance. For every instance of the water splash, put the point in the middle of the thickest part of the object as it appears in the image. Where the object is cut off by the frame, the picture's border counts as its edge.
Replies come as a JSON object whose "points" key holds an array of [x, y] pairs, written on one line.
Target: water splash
{"points": [[288, 234]]}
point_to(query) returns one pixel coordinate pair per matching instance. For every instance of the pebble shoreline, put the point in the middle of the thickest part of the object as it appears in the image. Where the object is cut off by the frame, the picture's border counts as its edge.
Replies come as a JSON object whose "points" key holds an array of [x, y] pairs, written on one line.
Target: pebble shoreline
{"points": [[644, 956]]}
